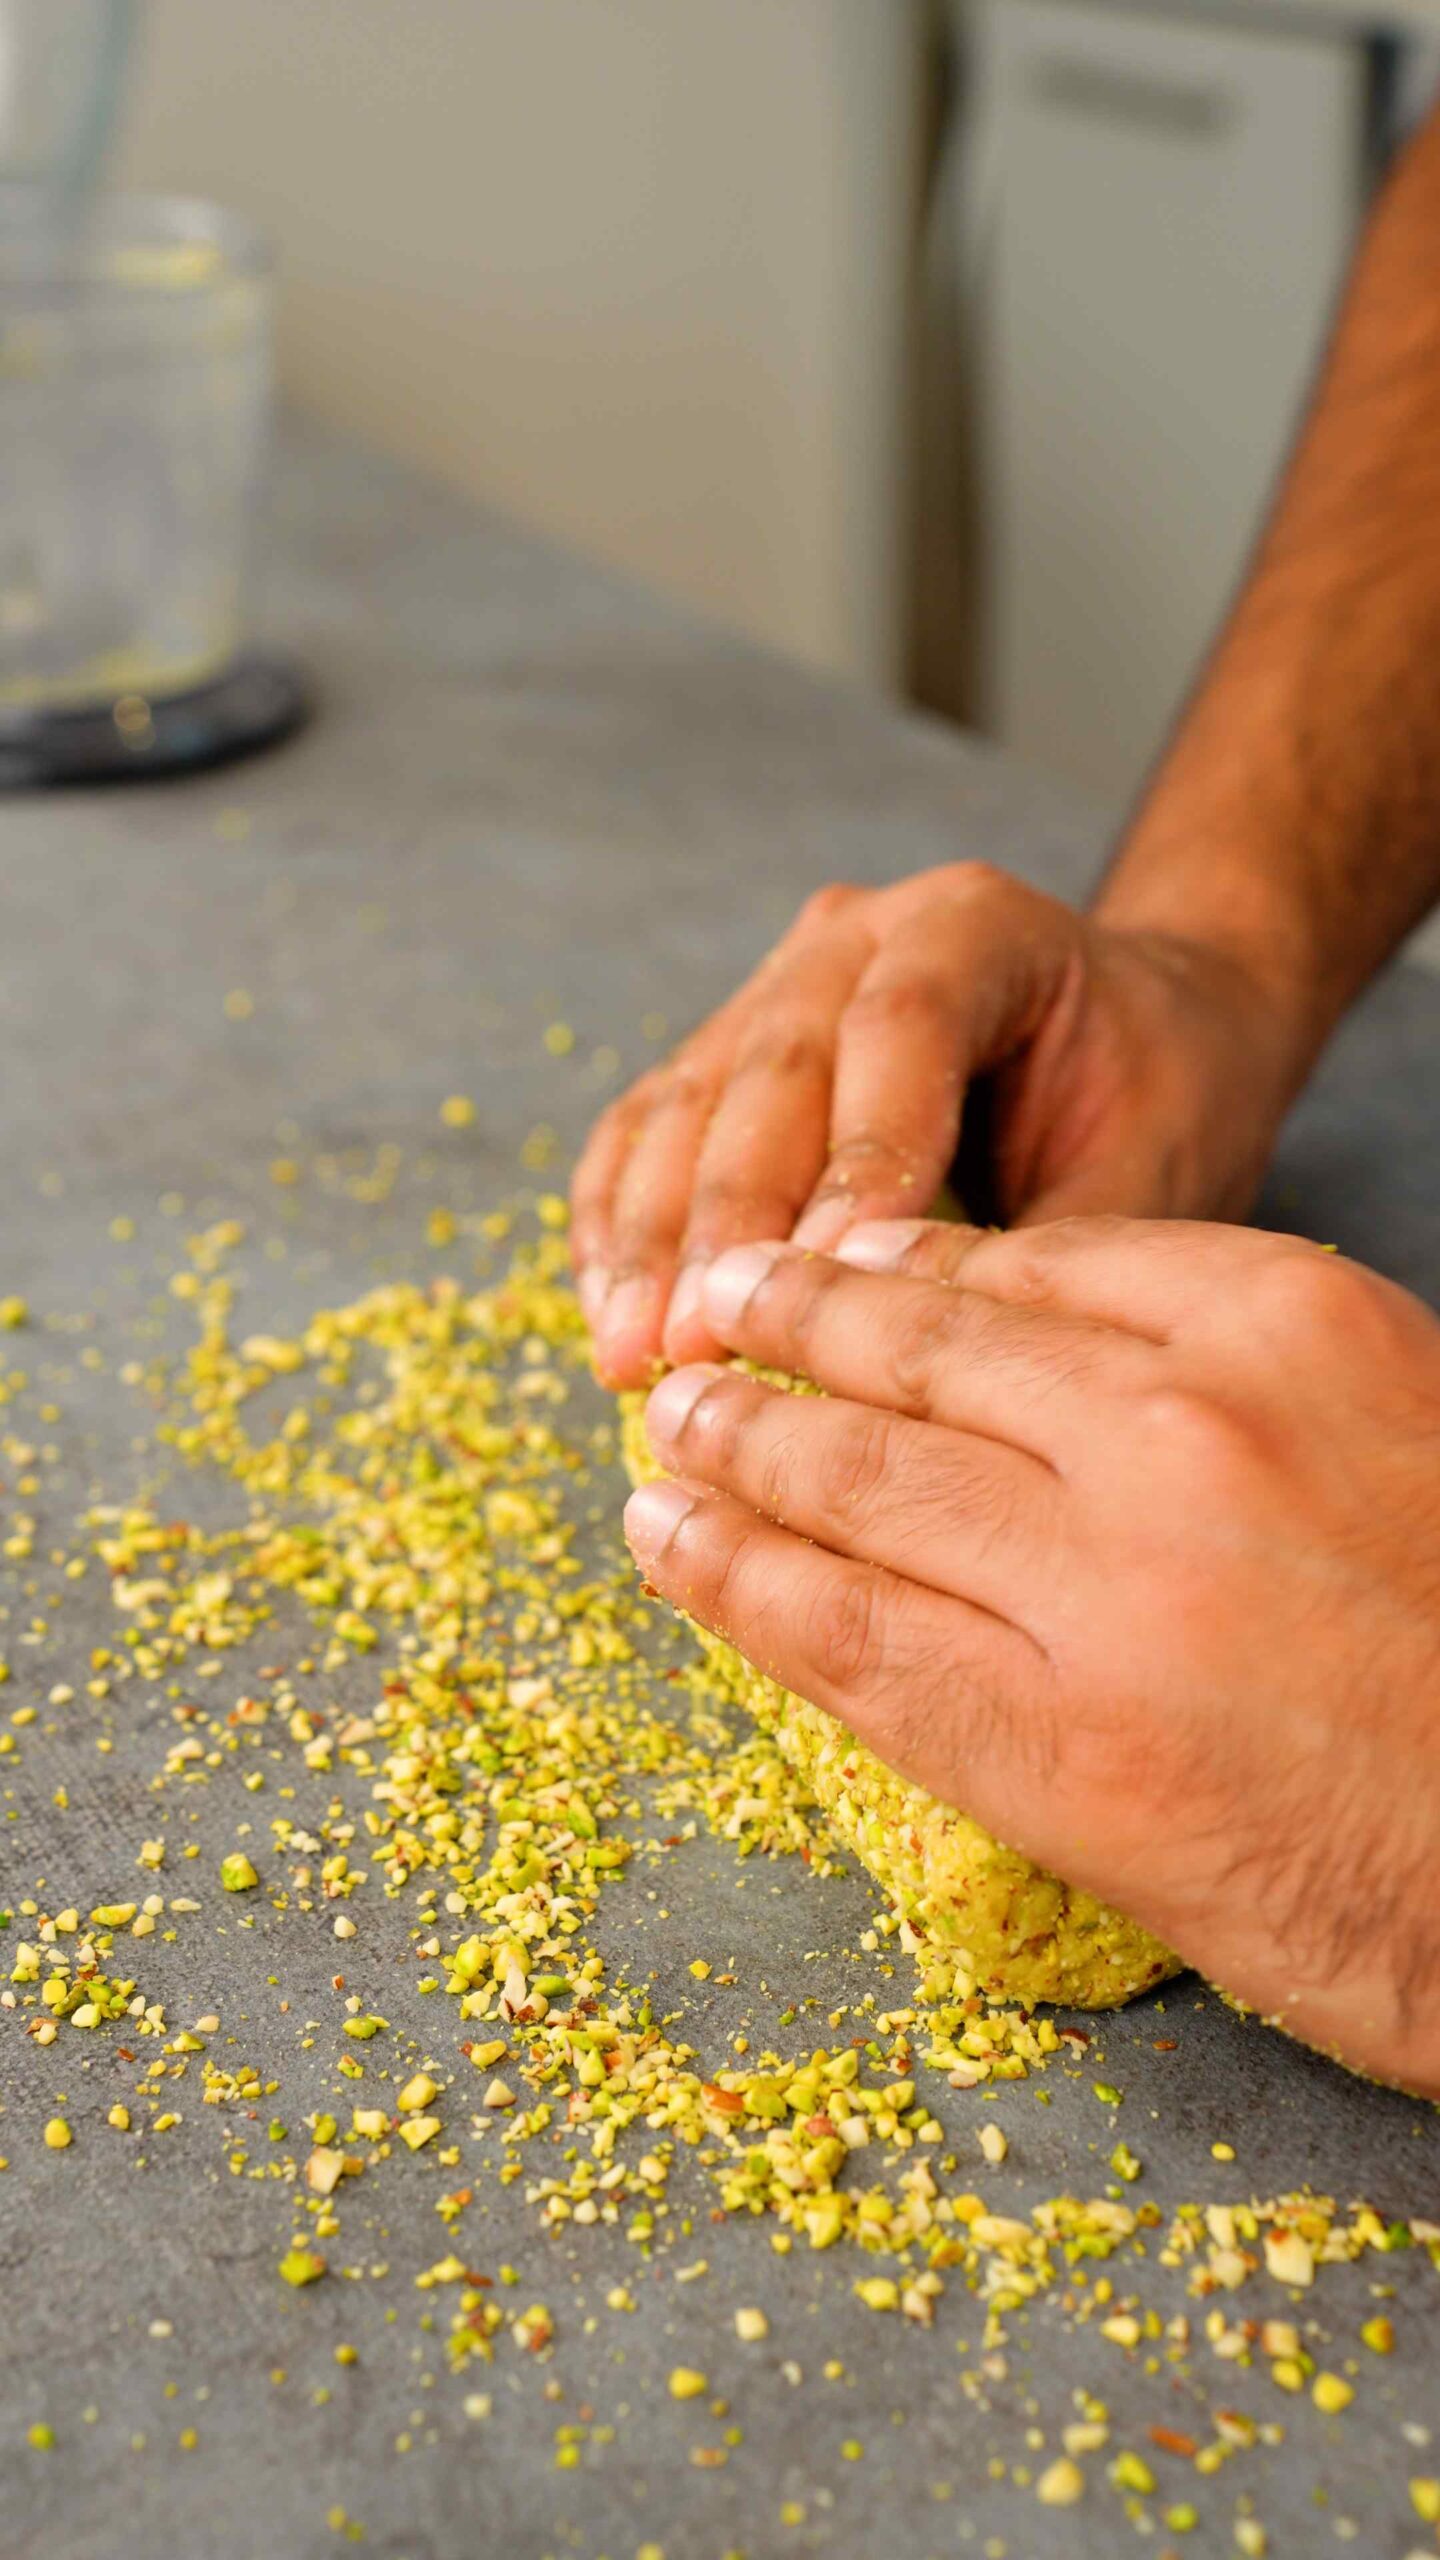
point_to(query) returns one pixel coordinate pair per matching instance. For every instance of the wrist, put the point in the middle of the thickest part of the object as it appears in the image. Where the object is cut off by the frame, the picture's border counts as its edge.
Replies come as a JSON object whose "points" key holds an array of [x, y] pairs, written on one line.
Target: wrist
{"points": [[1237, 928], [1230, 1011]]}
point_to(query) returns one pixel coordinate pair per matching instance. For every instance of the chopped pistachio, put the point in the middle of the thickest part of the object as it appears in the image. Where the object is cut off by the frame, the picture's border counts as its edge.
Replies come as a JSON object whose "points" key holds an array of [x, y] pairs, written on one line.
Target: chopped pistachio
{"points": [[879, 2293], [416, 2131], [1289, 2257], [301, 2265], [1132, 2471], [324, 2169], [1061, 2484]]}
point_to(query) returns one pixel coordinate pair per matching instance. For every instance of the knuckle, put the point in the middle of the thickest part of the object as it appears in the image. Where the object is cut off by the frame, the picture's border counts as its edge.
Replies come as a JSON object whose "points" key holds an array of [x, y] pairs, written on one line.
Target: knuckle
{"points": [[973, 880], [781, 1055], [891, 1006], [1320, 1293], [840, 1635], [644, 1092], [733, 1605], [985, 1497], [1027, 1261], [792, 1301], [855, 1159], [921, 1337], [775, 1475], [646, 1234], [941, 1252], [1193, 1432], [1071, 1235], [616, 1121], [726, 1213], [823, 905], [718, 1201], [680, 1087], [854, 1464], [856, 1170]]}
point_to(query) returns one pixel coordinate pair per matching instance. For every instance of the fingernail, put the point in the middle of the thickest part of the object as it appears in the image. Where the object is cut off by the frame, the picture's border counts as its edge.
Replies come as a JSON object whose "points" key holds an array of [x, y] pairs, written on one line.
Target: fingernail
{"points": [[685, 1299], [592, 1289], [652, 1516], [821, 1228], [880, 1245], [673, 1401], [732, 1279]]}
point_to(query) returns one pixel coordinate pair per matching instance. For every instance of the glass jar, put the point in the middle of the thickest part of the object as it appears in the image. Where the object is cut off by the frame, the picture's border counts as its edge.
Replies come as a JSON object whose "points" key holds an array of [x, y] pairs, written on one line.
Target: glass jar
{"points": [[135, 390]]}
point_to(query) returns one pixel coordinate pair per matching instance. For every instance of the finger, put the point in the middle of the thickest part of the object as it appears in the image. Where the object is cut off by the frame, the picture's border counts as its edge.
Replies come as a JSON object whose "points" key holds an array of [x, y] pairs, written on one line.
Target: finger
{"points": [[765, 1146], [961, 1257], [953, 1697], [964, 1514], [1149, 1276], [1133, 1183], [592, 1190], [645, 1214], [1036, 1380], [607, 1152], [921, 1248], [963, 978], [651, 1198]]}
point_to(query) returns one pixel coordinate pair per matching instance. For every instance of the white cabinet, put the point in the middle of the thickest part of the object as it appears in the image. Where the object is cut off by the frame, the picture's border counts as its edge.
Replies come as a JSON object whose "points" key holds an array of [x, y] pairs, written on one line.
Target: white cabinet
{"points": [[1158, 211]]}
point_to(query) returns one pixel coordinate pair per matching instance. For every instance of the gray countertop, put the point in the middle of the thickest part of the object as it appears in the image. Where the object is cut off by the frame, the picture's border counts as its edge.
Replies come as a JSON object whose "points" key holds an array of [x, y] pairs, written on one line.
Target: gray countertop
{"points": [[533, 793]]}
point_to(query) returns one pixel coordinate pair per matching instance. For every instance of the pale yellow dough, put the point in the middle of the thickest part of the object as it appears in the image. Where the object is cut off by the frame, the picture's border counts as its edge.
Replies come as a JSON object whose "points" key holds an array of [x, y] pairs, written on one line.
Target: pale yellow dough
{"points": [[1019, 1933]]}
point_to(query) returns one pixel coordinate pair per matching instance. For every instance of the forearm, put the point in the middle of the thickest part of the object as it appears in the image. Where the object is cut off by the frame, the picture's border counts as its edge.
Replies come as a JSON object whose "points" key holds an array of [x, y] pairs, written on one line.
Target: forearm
{"points": [[1295, 821]]}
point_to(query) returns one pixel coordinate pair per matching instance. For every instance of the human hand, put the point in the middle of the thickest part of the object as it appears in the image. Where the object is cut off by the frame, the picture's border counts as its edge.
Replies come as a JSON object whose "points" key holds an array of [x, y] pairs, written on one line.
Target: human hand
{"points": [[1131, 1071], [1126, 1538]]}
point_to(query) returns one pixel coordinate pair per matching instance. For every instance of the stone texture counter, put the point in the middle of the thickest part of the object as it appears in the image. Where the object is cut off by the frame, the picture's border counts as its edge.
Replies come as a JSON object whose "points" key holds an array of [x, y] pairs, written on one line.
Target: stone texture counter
{"points": [[533, 795]]}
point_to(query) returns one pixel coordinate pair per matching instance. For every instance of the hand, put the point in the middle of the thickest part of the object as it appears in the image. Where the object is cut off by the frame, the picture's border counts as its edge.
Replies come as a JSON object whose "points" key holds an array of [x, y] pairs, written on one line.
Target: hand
{"points": [[1142, 1072], [1124, 1537]]}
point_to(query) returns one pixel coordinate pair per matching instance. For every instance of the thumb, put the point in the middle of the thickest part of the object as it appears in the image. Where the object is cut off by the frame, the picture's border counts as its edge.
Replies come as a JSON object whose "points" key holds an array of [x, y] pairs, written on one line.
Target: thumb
{"points": [[1123, 1181]]}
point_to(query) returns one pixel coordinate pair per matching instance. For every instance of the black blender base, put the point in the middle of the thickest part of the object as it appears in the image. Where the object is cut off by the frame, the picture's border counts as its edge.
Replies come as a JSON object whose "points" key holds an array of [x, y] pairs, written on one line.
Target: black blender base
{"points": [[255, 703]]}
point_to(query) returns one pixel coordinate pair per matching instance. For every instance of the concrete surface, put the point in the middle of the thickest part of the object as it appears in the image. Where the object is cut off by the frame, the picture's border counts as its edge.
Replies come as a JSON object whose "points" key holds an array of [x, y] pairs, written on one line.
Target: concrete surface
{"points": [[533, 793]]}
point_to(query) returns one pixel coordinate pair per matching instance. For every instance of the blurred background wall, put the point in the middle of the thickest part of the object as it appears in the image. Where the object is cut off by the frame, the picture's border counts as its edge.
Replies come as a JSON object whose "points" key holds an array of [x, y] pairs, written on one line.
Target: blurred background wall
{"points": [[950, 344], [632, 268]]}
